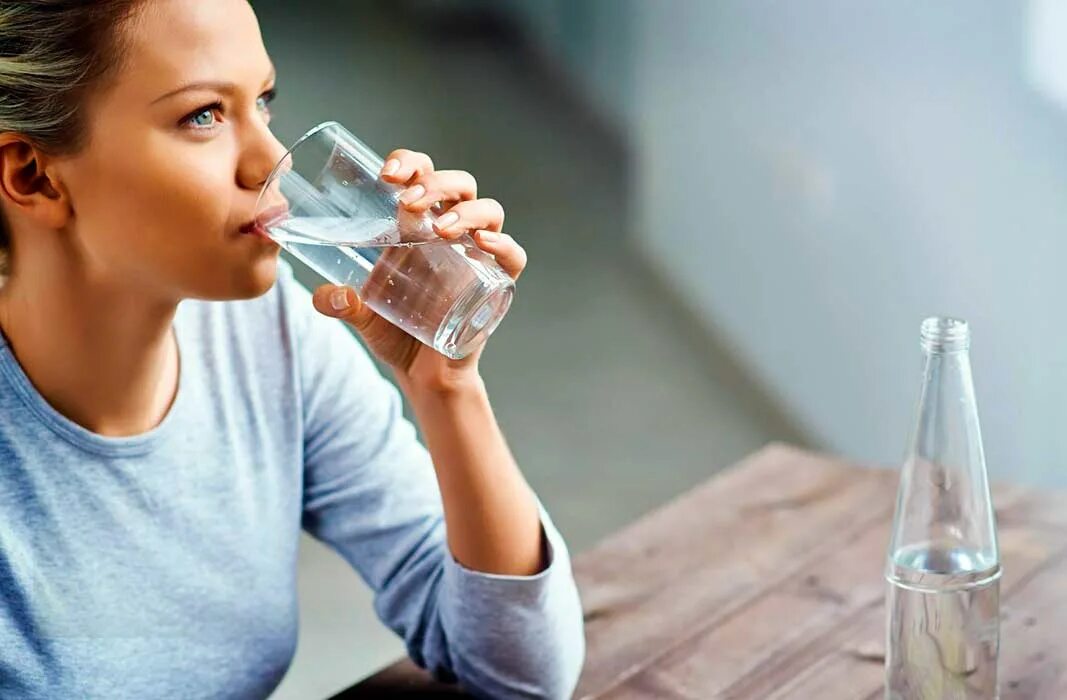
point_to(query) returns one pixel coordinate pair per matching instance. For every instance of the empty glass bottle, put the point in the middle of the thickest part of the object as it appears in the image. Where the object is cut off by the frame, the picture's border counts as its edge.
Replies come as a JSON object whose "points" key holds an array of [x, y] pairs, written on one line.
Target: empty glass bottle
{"points": [[943, 567]]}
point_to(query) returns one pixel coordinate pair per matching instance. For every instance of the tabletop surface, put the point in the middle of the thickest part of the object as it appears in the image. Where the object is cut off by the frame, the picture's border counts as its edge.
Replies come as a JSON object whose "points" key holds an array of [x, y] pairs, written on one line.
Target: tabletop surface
{"points": [[765, 582]]}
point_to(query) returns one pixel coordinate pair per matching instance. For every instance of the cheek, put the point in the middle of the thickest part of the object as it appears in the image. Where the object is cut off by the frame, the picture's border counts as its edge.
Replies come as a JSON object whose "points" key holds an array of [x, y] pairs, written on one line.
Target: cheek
{"points": [[158, 211], [159, 200]]}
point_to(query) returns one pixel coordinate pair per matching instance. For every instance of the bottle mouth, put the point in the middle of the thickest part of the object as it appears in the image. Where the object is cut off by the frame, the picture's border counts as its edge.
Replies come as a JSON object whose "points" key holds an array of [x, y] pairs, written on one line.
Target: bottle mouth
{"points": [[945, 334]]}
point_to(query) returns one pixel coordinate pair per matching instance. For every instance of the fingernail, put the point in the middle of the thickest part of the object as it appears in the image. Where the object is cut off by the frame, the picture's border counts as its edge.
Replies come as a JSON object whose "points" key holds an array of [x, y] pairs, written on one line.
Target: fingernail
{"points": [[412, 194], [391, 166], [339, 299], [488, 236], [447, 220]]}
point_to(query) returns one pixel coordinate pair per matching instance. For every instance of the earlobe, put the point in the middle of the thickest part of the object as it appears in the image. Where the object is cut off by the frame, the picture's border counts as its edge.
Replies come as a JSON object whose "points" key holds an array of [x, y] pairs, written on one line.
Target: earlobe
{"points": [[30, 188]]}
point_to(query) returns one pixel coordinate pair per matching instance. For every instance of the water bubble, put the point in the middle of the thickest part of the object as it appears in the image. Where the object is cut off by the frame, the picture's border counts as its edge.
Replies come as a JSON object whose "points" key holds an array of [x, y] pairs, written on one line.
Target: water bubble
{"points": [[391, 282], [388, 301]]}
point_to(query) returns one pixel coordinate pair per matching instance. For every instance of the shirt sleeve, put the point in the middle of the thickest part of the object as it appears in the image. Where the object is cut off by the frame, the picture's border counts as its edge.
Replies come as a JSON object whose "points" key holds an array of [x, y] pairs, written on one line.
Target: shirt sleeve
{"points": [[370, 493]]}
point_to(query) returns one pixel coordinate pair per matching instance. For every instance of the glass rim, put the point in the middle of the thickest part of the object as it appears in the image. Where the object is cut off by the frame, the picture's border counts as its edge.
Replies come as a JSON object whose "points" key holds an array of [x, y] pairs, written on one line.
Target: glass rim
{"points": [[945, 334], [288, 152]]}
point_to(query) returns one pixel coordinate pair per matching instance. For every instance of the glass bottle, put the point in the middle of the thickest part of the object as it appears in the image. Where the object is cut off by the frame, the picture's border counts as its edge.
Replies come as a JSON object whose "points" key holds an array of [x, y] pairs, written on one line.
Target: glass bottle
{"points": [[943, 566]]}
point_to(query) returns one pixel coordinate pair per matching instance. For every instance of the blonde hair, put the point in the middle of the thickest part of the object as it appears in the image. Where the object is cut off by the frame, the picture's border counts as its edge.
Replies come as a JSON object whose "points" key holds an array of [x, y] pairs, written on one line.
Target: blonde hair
{"points": [[51, 53]]}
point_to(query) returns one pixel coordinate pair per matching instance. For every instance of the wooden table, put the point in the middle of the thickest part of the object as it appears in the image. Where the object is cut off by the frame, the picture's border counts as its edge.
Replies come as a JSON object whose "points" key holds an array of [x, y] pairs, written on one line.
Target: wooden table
{"points": [[765, 582]]}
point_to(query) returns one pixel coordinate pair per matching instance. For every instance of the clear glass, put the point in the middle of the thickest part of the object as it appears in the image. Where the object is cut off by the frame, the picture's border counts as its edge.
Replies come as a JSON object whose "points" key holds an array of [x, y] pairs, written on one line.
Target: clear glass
{"points": [[943, 566], [325, 204]]}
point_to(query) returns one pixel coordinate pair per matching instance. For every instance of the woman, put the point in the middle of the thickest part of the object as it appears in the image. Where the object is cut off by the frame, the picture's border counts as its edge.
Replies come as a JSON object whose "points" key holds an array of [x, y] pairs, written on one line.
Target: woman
{"points": [[174, 407]]}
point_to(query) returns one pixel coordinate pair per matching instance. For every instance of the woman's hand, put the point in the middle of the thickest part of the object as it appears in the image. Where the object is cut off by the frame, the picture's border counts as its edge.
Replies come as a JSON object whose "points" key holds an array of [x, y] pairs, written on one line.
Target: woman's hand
{"points": [[453, 196]]}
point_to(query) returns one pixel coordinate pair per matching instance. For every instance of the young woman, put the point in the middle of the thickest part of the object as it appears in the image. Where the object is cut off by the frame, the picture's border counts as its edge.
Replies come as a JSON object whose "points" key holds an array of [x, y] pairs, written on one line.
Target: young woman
{"points": [[174, 407]]}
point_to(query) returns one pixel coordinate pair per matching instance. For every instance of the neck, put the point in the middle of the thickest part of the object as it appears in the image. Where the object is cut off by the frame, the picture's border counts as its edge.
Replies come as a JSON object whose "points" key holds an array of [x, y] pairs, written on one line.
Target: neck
{"points": [[100, 353]]}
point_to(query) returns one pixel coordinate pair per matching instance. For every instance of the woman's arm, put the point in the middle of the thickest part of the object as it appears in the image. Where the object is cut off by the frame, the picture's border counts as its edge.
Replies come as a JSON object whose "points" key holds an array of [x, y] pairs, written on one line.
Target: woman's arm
{"points": [[491, 516], [373, 494], [490, 512], [486, 596]]}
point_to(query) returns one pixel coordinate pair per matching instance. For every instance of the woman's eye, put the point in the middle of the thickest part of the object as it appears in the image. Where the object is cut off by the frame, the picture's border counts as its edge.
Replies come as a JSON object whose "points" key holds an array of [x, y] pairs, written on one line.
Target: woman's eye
{"points": [[264, 100], [203, 118]]}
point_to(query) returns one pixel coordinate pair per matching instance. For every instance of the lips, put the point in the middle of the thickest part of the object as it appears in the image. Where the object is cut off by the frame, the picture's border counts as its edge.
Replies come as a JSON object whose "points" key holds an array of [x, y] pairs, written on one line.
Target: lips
{"points": [[265, 219]]}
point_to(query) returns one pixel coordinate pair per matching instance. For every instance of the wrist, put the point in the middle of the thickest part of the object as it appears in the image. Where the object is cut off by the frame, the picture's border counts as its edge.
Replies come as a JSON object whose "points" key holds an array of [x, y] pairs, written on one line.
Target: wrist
{"points": [[450, 383]]}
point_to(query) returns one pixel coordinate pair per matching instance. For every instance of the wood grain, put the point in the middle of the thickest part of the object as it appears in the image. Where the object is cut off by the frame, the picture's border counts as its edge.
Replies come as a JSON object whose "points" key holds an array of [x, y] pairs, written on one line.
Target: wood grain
{"points": [[765, 582]]}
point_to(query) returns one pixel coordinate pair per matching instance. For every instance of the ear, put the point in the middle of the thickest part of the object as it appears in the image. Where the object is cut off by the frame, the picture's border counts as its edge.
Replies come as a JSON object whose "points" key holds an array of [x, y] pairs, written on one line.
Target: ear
{"points": [[28, 187]]}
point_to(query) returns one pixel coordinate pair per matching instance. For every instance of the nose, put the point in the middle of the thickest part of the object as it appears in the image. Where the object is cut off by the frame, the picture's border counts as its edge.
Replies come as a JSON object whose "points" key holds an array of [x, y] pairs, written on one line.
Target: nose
{"points": [[260, 153]]}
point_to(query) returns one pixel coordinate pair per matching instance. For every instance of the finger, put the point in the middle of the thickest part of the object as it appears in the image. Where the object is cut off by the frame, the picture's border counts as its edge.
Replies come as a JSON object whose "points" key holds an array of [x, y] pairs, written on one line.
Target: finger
{"points": [[482, 213], [403, 166], [343, 303], [439, 186], [509, 255]]}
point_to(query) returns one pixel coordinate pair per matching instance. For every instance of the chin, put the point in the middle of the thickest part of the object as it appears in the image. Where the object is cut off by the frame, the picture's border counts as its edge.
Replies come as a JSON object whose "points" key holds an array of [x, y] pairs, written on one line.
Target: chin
{"points": [[247, 281], [257, 279]]}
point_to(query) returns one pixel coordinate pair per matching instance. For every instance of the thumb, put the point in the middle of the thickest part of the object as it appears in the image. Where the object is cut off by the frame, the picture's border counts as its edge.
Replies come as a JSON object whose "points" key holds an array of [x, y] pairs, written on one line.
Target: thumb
{"points": [[343, 303]]}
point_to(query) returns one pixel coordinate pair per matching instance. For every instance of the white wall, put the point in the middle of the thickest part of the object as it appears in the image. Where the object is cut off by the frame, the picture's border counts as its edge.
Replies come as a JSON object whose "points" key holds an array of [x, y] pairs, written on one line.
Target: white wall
{"points": [[818, 176], [592, 41]]}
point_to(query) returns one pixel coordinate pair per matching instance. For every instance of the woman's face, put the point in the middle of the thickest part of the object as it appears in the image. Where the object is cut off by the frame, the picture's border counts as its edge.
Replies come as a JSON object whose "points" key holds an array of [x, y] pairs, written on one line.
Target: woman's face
{"points": [[178, 148]]}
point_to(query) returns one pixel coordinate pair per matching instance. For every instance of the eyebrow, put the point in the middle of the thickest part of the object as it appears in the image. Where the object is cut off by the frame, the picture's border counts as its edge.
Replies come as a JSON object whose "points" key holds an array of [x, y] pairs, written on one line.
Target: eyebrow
{"points": [[217, 85]]}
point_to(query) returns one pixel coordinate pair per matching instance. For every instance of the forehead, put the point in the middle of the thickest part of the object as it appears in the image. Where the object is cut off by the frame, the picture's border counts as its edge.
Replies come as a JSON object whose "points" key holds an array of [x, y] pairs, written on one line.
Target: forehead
{"points": [[168, 42]]}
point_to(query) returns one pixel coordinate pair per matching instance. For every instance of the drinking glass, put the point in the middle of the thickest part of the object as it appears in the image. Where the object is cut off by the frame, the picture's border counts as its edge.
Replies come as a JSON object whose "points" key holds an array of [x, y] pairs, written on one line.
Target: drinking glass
{"points": [[325, 203]]}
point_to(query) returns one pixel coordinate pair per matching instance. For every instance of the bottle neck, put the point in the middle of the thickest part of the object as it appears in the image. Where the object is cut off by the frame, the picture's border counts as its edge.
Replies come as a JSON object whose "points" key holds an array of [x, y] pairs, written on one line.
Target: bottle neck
{"points": [[947, 423], [943, 505], [940, 335]]}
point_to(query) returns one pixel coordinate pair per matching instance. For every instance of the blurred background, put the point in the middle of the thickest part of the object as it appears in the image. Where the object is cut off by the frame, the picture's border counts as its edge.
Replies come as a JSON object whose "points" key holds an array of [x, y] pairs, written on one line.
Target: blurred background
{"points": [[737, 215]]}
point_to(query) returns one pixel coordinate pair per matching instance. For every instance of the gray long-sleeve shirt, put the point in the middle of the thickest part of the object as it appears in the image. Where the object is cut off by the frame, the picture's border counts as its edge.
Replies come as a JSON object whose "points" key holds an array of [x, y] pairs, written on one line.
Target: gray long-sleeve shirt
{"points": [[164, 564]]}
